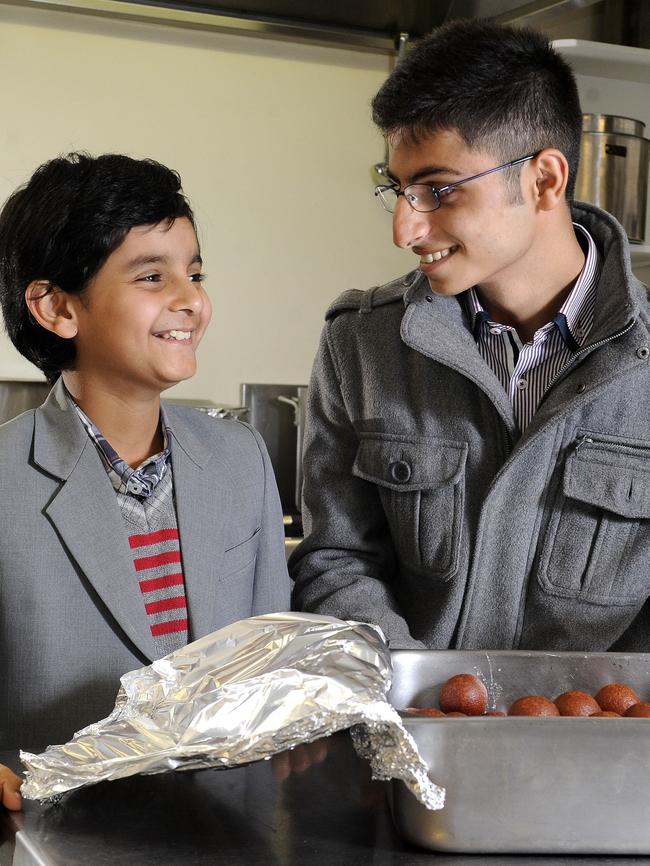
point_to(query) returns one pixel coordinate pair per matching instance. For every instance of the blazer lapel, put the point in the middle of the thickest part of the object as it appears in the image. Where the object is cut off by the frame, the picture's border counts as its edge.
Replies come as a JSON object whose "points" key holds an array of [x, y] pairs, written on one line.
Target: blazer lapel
{"points": [[86, 515], [203, 499]]}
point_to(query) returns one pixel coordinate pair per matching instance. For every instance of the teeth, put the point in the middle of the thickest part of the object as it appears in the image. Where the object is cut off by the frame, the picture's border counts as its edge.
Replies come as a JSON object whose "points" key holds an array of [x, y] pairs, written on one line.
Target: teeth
{"points": [[427, 258], [176, 335]]}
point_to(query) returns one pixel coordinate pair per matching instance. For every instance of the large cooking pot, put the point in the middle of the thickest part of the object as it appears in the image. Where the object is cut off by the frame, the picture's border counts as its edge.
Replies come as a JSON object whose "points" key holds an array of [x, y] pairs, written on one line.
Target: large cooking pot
{"points": [[613, 170]]}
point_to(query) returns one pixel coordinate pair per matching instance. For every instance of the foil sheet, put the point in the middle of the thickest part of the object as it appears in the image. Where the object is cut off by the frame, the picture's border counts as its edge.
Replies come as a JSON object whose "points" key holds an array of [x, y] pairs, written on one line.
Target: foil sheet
{"points": [[248, 691]]}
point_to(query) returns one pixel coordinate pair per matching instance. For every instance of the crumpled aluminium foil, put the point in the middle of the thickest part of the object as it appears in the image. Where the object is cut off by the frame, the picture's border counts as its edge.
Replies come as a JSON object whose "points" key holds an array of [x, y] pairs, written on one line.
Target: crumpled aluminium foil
{"points": [[241, 694]]}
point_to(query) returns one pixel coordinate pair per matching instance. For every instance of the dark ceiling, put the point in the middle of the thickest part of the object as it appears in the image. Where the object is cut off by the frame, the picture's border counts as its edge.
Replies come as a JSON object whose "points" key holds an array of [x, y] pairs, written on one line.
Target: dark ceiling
{"points": [[378, 17]]}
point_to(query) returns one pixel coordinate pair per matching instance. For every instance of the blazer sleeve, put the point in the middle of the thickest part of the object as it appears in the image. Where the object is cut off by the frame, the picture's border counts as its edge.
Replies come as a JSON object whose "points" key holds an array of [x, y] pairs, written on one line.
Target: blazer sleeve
{"points": [[271, 587]]}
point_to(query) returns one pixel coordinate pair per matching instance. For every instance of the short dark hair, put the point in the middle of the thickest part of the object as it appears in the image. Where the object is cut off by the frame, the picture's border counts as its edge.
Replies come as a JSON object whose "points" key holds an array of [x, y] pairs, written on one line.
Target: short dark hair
{"points": [[502, 89], [61, 227]]}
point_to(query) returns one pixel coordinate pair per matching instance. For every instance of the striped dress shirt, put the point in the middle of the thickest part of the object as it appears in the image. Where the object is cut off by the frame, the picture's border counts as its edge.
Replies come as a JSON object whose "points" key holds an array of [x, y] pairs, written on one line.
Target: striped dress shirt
{"points": [[527, 370]]}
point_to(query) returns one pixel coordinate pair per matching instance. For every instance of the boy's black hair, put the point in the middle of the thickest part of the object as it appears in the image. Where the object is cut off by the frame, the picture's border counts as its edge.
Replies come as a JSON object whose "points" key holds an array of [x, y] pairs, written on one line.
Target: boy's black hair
{"points": [[503, 90], [62, 226]]}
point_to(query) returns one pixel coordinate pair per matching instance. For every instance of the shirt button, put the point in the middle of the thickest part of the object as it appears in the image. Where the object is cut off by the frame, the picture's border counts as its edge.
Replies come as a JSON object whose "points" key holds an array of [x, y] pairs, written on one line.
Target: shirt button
{"points": [[495, 330], [522, 384]]}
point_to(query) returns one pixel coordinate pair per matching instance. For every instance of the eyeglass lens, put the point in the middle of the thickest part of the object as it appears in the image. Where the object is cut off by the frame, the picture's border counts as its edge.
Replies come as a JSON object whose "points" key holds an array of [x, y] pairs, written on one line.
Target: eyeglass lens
{"points": [[419, 195]]}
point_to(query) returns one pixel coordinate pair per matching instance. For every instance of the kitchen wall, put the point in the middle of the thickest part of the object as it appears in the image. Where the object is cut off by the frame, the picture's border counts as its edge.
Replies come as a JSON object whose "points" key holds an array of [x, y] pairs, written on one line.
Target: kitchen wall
{"points": [[274, 144]]}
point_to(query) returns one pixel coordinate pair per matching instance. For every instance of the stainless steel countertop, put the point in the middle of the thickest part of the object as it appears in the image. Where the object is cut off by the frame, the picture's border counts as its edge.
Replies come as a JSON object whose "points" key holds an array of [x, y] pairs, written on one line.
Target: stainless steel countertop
{"points": [[329, 815]]}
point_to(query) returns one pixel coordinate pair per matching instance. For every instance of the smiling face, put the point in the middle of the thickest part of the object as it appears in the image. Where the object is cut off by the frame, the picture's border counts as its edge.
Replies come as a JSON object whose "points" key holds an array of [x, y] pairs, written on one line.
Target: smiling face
{"points": [[140, 319], [478, 236]]}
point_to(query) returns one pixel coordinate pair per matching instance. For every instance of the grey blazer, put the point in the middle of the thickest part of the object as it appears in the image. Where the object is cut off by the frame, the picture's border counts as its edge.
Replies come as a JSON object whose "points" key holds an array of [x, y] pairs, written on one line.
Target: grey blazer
{"points": [[71, 621]]}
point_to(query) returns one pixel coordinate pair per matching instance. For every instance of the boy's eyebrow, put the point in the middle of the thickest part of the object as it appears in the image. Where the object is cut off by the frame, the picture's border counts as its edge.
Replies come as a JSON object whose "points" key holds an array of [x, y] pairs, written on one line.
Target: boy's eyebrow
{"points": [[426, 171], [140, 261]]}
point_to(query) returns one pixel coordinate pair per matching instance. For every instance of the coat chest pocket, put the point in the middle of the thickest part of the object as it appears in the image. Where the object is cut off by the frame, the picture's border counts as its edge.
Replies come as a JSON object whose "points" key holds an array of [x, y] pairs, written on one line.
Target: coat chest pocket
{"points": [[597, 543], [421, 486]]}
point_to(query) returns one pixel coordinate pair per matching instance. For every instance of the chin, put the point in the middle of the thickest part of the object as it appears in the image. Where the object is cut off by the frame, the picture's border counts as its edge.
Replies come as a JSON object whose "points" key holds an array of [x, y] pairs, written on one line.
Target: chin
{"points": [[447, 290]]}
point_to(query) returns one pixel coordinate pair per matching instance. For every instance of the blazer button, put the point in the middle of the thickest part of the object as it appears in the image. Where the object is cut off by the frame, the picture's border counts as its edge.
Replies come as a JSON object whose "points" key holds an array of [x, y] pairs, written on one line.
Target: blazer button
{"points": [[400, 471]]}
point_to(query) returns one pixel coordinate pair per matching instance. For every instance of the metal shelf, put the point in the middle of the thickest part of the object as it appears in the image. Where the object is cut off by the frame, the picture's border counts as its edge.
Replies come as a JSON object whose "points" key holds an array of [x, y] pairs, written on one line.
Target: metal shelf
{"points": [[604, 60]]}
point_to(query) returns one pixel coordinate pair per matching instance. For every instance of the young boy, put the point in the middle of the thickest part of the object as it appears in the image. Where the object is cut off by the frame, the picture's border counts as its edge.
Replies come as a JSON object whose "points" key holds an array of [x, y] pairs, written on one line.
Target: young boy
{"points": [[478, 450], [126, 529]]}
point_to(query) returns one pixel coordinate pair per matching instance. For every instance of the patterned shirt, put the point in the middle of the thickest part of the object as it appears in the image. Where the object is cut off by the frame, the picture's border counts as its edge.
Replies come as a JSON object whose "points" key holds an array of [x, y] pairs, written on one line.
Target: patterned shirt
{"points": [[526, 371], [136, 482], [146, 499]]}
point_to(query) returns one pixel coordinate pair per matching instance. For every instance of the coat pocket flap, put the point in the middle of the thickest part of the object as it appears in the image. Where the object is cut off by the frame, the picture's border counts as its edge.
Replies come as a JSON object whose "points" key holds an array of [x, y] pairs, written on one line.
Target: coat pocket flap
{"points": [[404, 464], [613, 479]]}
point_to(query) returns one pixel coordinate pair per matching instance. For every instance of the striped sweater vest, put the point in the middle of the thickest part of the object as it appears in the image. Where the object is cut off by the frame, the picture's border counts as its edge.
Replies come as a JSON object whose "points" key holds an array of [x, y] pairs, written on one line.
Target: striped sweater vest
{"points": [[155, 544]]}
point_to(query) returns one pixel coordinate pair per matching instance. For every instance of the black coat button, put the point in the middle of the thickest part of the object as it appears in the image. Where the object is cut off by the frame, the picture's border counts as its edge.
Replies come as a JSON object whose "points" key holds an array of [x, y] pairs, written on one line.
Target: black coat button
{"points": [[400, 471]]}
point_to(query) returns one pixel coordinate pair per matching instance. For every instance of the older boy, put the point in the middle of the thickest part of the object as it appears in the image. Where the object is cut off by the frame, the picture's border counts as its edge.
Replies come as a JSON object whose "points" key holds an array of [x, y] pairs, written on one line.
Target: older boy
{"points": [[126, 529], [477, 456]]}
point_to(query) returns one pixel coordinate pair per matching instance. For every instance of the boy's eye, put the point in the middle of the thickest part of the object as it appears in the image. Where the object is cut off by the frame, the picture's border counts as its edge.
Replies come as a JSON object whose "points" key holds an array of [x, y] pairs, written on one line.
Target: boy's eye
{"points": [[197, 278], [151, 278]]}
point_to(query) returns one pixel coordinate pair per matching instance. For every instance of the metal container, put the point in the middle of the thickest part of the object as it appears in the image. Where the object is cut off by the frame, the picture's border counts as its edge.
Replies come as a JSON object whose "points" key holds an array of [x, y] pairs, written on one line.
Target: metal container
{"points": [[613, 172], [527, 785], [274, 410], [19, 395]]}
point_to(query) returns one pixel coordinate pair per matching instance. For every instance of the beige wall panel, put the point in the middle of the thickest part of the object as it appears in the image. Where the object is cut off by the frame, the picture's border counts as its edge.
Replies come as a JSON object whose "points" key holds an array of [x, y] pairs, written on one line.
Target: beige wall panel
{"points": [[274, 143]]}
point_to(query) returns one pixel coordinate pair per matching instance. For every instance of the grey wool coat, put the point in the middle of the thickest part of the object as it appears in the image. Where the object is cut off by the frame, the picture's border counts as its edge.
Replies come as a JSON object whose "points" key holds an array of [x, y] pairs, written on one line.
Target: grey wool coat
{"points": [[71, 619], [428, 513]]}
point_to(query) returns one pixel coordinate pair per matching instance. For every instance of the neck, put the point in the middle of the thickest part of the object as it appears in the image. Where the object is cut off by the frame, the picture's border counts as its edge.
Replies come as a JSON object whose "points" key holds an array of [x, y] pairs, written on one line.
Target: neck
{"points": [[130, 424], [530, 295]]}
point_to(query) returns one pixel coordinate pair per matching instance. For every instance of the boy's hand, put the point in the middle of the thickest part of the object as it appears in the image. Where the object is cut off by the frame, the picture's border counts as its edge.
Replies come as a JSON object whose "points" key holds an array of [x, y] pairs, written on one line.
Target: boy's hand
{"points": [[297, 760], [10, 789]]}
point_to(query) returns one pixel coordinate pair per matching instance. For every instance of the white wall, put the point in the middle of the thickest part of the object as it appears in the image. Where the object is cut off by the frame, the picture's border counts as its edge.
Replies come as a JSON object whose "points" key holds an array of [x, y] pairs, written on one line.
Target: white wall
{"points": [[243, 120]]}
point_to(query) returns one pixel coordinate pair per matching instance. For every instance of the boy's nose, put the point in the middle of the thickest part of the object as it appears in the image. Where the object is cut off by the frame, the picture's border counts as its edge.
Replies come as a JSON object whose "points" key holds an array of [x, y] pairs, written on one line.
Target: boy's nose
{"points": [[410, 227], [187, 295]]}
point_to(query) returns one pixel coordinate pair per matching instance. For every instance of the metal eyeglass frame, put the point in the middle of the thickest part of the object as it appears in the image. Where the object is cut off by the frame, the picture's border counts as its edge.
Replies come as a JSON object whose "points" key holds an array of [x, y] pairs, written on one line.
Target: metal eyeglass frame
{"points": [[438, 191]]}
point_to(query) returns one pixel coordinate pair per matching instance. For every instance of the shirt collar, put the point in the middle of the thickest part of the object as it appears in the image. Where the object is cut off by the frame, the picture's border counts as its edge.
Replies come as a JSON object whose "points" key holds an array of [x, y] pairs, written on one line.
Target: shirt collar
{"points": [[140, 481], [575, 316]]}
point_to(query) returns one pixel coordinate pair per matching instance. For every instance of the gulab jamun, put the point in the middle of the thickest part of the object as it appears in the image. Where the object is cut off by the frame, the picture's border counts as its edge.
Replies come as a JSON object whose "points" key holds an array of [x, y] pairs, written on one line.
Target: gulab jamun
{"points": [[638, 711], [606, 714], [456, 714], [576, 703], [464, 693], [423, 711], [533, 705], [616, 698]]}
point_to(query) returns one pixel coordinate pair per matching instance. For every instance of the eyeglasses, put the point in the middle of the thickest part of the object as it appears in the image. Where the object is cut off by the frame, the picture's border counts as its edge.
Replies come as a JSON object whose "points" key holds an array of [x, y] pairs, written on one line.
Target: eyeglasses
{"points": [[424, 197]]}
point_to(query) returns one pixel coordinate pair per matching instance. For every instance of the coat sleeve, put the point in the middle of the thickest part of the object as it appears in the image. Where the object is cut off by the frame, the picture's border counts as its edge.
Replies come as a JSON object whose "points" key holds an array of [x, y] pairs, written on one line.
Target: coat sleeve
{"points": [[271, 587], [346, 565]]}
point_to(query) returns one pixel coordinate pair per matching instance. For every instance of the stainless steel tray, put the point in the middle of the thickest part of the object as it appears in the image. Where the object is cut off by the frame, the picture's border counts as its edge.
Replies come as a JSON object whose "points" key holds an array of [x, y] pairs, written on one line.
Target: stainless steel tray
{"points": [[527, 785]]}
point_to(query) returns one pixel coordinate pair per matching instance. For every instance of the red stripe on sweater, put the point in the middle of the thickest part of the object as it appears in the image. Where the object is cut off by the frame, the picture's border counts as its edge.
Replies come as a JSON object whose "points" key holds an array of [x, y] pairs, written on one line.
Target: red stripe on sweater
{"points": [[145, 562], [153, 537], [165, 604], [168, 627], [165, 582]]}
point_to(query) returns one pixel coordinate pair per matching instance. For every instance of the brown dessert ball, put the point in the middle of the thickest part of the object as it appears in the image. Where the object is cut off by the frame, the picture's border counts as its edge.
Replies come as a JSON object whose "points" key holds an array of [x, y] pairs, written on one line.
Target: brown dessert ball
{"points": [[616, 698], [638, 711], [533, 705], [576, 703], [423, 711], [606, 714], [465, 694], [455, 714]]}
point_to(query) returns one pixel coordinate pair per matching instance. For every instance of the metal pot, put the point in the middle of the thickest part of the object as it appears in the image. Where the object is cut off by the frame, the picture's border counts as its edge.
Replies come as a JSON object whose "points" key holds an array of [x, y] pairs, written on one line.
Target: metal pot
{"points": [[613, 171]]}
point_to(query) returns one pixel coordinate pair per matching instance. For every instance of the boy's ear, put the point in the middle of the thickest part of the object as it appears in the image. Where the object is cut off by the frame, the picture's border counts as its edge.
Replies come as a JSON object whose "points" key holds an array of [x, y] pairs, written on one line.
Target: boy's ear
{"points": [[551, 177], [51, 307]]}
